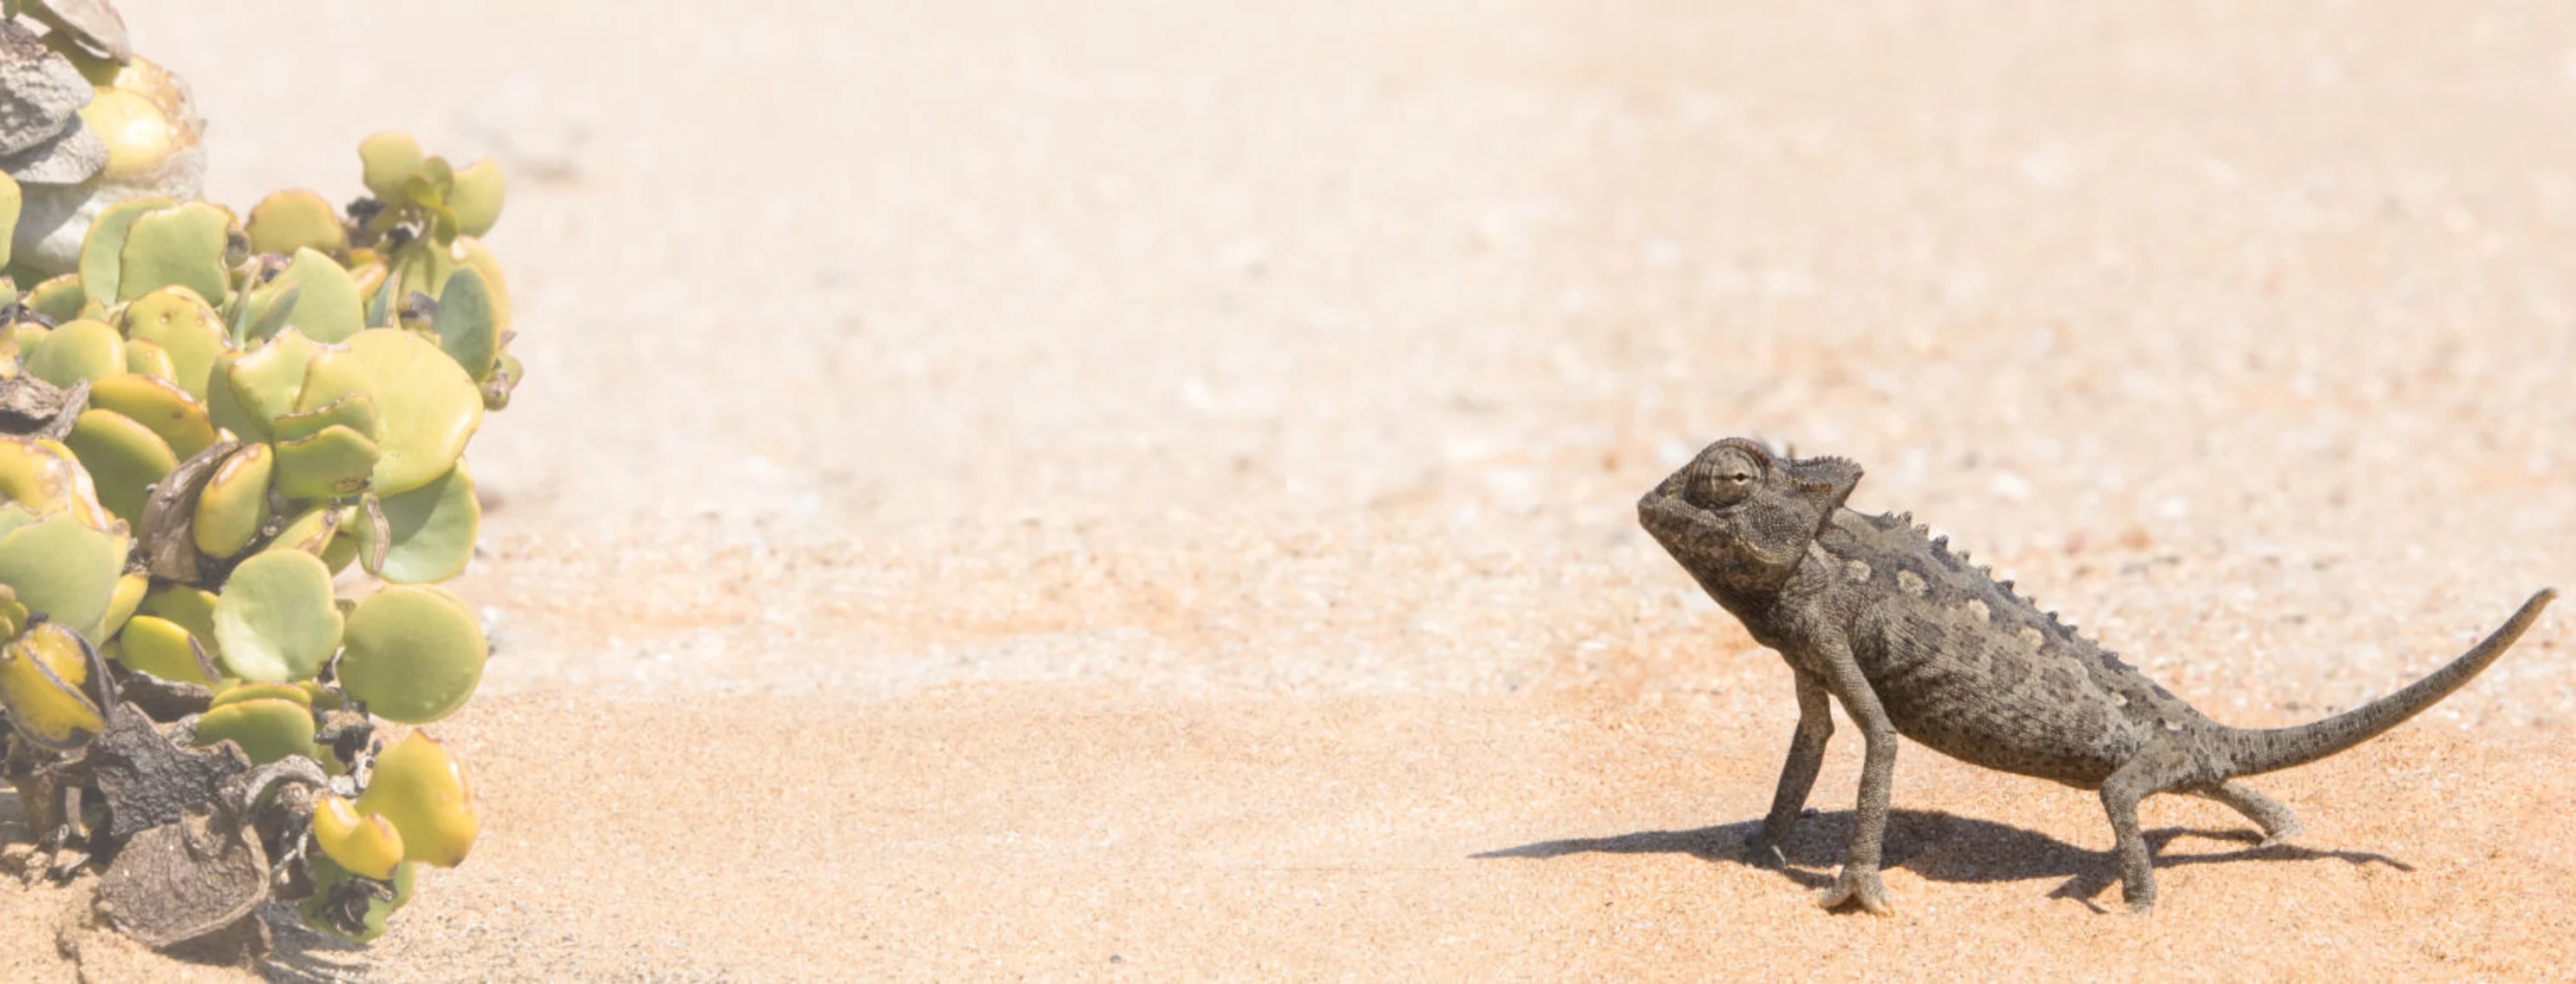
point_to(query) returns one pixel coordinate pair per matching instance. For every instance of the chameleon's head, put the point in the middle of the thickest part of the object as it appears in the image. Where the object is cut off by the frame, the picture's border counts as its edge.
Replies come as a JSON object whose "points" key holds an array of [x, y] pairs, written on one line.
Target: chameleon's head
{"points": [[1739, 517]]}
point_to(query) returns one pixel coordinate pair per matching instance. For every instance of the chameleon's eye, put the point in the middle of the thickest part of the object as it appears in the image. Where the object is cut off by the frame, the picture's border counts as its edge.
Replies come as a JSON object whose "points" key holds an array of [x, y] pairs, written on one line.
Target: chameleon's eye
{"points": [[1720, 483]]}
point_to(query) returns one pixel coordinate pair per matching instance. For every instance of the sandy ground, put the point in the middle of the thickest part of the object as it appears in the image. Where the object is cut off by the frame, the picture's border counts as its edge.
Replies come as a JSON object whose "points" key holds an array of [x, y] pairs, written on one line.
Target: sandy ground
{"points": [[1145, 489]]}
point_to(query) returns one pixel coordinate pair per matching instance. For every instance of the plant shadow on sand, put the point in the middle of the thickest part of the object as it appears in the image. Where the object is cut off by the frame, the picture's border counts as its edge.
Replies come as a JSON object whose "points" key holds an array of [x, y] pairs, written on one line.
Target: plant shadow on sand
{"points": [[1941, 847], [307, 955]]}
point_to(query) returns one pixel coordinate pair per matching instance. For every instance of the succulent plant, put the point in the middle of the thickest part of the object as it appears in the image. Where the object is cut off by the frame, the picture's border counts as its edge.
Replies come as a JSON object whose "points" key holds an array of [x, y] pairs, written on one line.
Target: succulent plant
{"points": [[211, 430]]}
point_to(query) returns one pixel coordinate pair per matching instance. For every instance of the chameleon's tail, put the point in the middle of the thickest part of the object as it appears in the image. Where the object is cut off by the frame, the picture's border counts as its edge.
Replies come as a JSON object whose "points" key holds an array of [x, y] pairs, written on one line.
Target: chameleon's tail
{"points": [[2280, 748]]}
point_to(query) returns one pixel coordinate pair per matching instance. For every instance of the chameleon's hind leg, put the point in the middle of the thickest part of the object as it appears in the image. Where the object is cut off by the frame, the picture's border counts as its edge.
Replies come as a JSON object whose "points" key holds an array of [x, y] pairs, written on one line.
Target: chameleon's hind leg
{"points": [[2154, 770], [2278, 823]]}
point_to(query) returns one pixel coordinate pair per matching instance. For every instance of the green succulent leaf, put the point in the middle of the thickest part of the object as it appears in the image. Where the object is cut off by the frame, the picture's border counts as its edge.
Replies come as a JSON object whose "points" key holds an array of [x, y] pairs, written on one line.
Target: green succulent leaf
{"points": [[420, 192], [266, 728], [124, 458], [225, 409], [334, 462], [388, 160], [263, 312], [333, 377], [421, 267], [80, 351], [293, 220], [429, 531], [275, 620], [181, 246], [356, 411], [266, 381], [59, 298], [63, 569], [415, 654], [312, 531], [428, 406], [325, 306], [102, 255], [380, 305], [476, 197], [468, 329]]}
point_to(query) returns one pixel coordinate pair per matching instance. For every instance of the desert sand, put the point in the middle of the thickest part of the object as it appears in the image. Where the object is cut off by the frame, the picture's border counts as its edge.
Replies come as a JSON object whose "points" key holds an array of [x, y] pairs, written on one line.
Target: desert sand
{"points": [[1145, 489]]}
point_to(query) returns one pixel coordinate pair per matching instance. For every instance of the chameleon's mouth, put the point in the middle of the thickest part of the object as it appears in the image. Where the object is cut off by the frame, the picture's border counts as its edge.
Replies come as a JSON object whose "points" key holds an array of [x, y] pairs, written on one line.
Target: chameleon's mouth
{"points": [[1673, 520]]}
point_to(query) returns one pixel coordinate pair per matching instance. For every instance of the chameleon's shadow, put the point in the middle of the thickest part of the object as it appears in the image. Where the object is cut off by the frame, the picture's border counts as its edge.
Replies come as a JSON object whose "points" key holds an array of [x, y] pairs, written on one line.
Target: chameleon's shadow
{"points": [[1941, 847]]}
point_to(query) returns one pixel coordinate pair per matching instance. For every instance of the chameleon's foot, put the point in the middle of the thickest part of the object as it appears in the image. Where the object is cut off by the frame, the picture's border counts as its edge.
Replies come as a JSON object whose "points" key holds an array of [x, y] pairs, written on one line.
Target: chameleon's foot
{"points": [[1763, 852], [2276, 836], [1858, 886], [2140, 902]]}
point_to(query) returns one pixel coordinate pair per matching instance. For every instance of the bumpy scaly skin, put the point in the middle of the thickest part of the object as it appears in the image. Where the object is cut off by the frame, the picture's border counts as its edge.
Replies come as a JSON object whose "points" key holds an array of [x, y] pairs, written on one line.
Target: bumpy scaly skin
{"points": [[1915, 641]]}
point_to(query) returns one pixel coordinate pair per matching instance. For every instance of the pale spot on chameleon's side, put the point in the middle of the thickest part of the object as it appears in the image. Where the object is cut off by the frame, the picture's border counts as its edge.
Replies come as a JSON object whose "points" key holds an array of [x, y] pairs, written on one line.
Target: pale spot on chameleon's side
{"points": [[1911, 582], [1976, 609], [1855, 572], [2171, 724], [2119, 699], [2031, 637]]}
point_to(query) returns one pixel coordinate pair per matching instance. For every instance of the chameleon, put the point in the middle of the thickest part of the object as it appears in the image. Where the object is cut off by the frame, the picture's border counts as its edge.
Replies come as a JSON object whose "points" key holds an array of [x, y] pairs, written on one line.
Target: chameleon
{"points": [[1876, 613]]}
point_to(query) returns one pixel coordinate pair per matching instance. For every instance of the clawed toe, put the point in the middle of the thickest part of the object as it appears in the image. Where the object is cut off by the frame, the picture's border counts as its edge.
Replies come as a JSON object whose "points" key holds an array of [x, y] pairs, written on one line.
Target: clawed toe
{"points": [[1861, 887], [1763, 852], [2281, 836]]}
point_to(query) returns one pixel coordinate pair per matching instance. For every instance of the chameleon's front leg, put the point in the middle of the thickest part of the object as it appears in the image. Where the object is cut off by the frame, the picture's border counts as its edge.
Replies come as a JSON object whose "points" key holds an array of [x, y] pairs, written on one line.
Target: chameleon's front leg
{"points": [[1859, 881], [1798, 776]]}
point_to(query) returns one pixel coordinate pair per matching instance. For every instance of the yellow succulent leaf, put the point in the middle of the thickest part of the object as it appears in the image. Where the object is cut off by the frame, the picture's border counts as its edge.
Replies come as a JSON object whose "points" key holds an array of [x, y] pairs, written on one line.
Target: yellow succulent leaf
{"points": [[254, 690], [186, 327], [364, 844], [45, 477], [158, 403], [422, 789], [234, 502], [121, 605], [139, 135], [47, 706], [144, 357], [189, 608], [160, 647]]}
